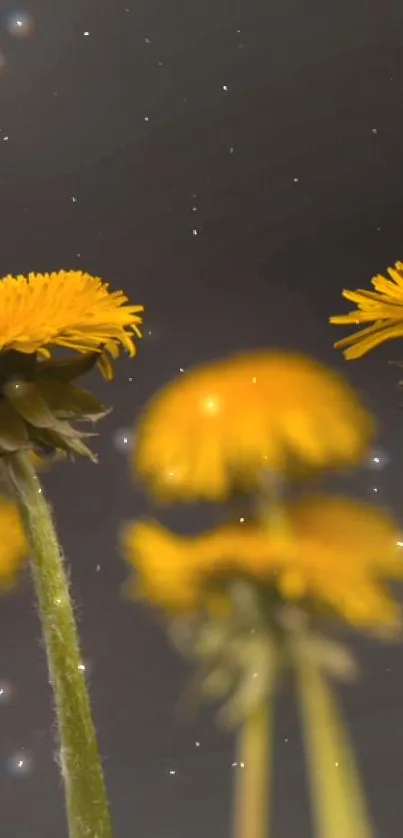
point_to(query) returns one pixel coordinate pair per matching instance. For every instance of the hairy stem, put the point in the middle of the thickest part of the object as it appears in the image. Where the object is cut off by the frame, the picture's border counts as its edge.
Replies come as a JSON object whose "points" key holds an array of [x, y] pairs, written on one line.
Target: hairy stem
{"points": [[85, 793]]}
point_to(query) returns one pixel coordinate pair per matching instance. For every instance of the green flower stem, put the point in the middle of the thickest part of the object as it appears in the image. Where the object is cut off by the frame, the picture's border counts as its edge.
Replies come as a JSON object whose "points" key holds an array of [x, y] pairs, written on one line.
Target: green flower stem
{"points": [[252, 791], [86, 800], [338, 803]]}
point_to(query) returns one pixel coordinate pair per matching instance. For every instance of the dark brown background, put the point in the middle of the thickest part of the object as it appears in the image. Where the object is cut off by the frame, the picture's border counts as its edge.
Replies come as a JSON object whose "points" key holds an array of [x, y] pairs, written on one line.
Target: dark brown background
{"points": [[296, 176]]}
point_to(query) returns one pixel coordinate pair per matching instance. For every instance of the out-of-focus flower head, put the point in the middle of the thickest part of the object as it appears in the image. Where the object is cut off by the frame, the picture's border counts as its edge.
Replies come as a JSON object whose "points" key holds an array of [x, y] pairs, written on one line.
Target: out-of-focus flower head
{"points": [[245, 602], [225, 424], [333, 558]]}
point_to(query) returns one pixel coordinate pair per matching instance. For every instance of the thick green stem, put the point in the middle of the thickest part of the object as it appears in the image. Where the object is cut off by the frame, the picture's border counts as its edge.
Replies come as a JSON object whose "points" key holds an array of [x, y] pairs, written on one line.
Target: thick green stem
{"points": [[252, 792], [86, 800], [338, 802]]}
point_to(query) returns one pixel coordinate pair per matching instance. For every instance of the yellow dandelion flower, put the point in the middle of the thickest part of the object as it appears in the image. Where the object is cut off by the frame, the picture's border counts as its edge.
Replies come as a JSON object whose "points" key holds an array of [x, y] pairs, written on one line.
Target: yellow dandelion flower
{"points": [[38, 394], [13, 544], [226, 423], [335, 557], [383, 308], [65, 308]]}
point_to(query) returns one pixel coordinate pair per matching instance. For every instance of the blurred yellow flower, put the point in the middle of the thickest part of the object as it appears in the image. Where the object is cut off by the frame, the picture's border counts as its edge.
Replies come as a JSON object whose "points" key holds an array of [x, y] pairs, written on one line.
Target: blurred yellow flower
{"points": [[66, 308], [334, 557], [226, 423], [13, 544], [382, 307]]}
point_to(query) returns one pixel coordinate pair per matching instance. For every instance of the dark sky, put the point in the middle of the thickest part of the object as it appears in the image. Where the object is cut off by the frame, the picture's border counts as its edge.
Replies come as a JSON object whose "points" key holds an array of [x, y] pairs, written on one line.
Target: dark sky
{"points": [[232, 164]]}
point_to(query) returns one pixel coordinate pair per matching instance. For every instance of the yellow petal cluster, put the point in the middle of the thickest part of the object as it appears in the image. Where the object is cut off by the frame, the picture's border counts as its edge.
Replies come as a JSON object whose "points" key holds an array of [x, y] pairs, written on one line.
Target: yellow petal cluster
{"points": [[13, 544], [335, 555], [383, 308], [66, 308], [226, 423]]}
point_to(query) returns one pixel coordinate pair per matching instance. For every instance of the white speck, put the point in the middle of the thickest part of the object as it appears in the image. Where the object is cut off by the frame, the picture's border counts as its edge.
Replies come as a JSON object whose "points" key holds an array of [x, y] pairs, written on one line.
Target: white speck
{"points": [[97, 568], [73, 199], [296, 179], [374, 130], [391, 78], [181, 369], [147, 40], [242, 520], [5, 139], [20, 764], [225, 88], [336, 764], [375, 489], [197, 743], [81, 667], [172, 772], [378, 229], [285, 740], [234, 764], [20, 24], [146, 118], [231, 149], [238, 31], [6, 691], [78, 255], [159, 63], [399, 543], [195, 209], [130, 380], [242, 765], [376, 459], [194, 232], [86, 34], [122, 440]]}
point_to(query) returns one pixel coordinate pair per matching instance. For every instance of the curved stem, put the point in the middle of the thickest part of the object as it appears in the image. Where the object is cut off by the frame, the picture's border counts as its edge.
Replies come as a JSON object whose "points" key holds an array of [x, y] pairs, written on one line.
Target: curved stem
{"points": [[86, 801], [252, 792], [338, 802]]}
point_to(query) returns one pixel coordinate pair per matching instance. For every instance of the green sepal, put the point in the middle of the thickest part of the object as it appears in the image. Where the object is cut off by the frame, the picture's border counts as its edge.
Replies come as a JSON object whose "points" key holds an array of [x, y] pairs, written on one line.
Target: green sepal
{"points": [[50, 440], [13, 432], [27, 401], [69, 402], [67, 369]]}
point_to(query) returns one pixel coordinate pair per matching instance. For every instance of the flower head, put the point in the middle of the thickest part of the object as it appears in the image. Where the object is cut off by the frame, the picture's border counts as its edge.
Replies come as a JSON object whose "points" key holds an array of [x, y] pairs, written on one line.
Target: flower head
{"points": [[38, 396], [383, 308], [65, 308], [13, 544], [334, 558], [226, 423]]}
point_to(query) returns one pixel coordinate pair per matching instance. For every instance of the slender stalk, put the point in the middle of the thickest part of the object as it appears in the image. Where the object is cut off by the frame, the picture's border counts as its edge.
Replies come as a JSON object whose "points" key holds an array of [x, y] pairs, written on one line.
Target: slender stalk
{"points": [[86, 801], [252, 791], [338, 802]]}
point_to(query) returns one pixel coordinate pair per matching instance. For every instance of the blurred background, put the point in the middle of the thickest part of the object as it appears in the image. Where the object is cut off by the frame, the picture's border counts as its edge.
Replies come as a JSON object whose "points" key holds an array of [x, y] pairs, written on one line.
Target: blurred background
{"points": [[232, 165]]}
